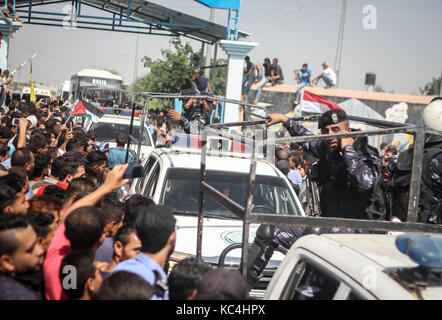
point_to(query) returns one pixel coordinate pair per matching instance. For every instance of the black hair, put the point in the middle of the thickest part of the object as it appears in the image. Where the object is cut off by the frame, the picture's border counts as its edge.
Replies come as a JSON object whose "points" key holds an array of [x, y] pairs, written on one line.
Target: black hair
{"points": [[41, 222], [74, 144], [69, 166], [305, 65], [383, 145], [279, 157], [52, 152], [84, 227], [38, 141], [5, 133], [55, 191], [133, 206], [124, 285], [79, 185], [45, 203], [57, 166], [111, 209], [122, 139], [10, 225], [96, 158], [9, 187], [123, 234], [83, 262], [154, 226], [185, 278], [20, 174], [297, 159], [50, 124], [4, 150], [21, 157], [42, 162], [295, 146], [91, 173]]}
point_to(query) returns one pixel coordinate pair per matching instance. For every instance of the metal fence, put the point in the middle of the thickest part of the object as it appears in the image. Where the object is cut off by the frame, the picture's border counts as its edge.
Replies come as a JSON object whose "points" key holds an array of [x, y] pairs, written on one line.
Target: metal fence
{"points": [[248, 216]]}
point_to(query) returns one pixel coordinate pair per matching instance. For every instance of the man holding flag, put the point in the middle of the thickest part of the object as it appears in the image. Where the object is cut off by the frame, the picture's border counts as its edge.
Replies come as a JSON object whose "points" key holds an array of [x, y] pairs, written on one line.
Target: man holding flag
{"points": [[348, 169]]}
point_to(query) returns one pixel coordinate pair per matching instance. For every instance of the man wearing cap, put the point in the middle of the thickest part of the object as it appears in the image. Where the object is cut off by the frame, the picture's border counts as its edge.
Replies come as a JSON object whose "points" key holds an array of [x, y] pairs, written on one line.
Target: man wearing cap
{"points": [[328, 75], [348, 175], [349, 170]]}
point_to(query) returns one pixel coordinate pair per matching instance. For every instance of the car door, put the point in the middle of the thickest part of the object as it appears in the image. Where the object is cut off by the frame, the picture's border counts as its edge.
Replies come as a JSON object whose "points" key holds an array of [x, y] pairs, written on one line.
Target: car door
{"points": [[312, 278]]}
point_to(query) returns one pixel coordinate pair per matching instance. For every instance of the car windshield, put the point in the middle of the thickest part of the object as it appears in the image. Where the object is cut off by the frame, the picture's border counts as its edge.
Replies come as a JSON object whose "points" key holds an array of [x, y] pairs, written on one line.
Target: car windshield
{"points": [[272, 194], [108, 131]]}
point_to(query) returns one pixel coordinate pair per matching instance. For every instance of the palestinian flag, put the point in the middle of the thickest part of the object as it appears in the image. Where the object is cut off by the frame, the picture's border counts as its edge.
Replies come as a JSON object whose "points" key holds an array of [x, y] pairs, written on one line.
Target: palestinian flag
{"points": [[87, 110], [313, 103]]}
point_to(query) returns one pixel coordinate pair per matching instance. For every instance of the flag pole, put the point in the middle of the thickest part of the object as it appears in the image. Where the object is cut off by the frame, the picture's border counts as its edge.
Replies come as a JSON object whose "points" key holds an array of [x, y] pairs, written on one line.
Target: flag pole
{"points": [[24, 63]]}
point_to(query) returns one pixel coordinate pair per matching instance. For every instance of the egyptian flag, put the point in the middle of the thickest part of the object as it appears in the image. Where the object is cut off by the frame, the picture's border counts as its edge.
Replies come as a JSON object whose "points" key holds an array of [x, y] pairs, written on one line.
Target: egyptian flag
{"points": [[87, 110], [312, 103]]}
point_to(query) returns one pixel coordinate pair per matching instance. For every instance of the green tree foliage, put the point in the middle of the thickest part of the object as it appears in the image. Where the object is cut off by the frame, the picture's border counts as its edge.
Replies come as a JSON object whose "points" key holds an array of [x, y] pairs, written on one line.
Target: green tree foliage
{"points": [[220, 77], [432, 88], [169, 73]]}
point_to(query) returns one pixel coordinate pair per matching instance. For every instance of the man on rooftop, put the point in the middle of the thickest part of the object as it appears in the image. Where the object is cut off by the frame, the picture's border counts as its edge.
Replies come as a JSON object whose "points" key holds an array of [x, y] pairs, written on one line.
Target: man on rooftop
{"points": [[328, 75]]}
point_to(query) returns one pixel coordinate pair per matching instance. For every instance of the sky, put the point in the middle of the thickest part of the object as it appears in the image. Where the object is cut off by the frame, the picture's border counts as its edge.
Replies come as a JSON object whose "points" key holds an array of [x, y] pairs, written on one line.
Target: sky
{"points": [[403, 48]]}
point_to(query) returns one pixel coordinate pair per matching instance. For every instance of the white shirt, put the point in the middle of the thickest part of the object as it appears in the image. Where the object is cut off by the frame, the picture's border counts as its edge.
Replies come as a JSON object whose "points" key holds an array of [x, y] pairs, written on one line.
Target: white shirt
{"points": [[330, 73]]}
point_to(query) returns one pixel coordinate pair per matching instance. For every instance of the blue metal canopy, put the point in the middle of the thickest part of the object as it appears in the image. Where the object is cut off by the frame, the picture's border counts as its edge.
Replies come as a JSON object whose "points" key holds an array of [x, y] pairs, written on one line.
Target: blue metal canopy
{"points": [[133, 16]]}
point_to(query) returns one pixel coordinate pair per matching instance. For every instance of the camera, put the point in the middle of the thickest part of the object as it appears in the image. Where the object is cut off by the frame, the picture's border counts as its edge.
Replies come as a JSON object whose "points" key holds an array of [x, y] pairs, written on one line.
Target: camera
{"points": [[15, 122]]}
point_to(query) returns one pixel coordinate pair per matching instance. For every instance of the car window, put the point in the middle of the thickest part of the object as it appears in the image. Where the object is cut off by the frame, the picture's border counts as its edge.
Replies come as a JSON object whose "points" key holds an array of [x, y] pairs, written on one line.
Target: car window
{"points": [[141, 181], [149, 191], [308, 282], [109, 131], [181, 190]]}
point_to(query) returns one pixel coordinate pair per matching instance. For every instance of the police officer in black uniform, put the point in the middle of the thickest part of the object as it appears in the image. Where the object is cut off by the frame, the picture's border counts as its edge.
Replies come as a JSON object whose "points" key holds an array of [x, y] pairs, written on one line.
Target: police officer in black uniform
{"points": [[348, 169], [348, 174], [430, 199]]}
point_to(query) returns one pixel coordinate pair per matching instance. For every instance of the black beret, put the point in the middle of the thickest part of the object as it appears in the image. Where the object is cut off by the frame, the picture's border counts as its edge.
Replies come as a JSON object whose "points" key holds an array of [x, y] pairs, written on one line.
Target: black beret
{"points": [[331, 117]]}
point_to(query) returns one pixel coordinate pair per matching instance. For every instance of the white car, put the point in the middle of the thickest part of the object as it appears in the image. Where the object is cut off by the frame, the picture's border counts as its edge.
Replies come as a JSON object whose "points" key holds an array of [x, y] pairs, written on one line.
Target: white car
{"points": [[172, 179], [110, 125], [360, 267]]}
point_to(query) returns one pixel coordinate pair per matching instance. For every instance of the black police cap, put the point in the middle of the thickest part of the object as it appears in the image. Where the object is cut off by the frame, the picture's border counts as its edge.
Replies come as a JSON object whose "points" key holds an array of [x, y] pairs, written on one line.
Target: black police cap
{"points": [[331, 117]]}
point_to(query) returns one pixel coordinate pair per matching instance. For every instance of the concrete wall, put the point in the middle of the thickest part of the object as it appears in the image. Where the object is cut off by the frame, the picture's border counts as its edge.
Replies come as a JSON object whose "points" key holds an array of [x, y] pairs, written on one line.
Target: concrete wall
{"points": [[282, 102]]}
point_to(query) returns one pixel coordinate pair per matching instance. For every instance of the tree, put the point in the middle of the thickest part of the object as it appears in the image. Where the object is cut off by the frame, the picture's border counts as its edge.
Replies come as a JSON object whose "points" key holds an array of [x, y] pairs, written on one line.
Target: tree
{"points": [[220, 78], [170, 73], [432, 88]]}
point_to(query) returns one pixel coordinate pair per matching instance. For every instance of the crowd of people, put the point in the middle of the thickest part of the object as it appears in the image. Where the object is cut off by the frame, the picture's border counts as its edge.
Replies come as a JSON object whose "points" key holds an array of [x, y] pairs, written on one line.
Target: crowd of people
{"points": [[271, 72], [65, 233]]}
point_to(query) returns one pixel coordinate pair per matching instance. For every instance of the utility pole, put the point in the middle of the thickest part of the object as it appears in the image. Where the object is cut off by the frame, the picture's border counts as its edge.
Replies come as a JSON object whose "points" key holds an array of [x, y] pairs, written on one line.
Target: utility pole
{"points": [[209, 48], [340, 42], [440, 89], [136, 60]]}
